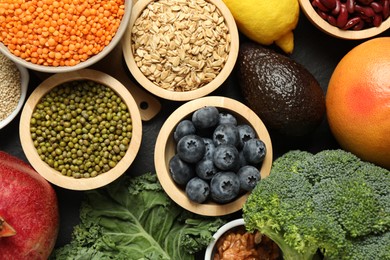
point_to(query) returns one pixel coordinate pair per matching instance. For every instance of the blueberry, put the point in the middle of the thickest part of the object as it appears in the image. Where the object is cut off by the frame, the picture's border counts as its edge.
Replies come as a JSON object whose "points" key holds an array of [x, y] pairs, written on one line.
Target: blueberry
{"points": [[185, 127], [197, 190], [226, 157], [224, 187], [210, 148], [205, 169], [245, 133], [205, 117], [226, 134], [254, 151], [249, 176], [191, 148], [226, 118], [242, 161], [180, 171]]}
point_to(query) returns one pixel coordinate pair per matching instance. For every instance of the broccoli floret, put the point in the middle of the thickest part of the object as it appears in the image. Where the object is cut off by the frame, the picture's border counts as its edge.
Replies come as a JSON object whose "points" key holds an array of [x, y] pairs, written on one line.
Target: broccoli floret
{"points": [[330, 201], [378, 179], [329, 164], [290, 161], [350, 202], [370, 247], [280, 207]]}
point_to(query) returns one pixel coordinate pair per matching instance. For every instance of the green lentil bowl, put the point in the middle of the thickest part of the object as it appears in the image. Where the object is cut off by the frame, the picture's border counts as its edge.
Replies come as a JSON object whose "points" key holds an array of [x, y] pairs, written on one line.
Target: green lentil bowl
{"points": [[80, 130]]}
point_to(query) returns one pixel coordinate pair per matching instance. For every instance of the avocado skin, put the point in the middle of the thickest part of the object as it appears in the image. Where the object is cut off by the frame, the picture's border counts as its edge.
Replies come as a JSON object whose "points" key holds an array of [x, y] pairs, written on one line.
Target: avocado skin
{"points": [[283, 93]]}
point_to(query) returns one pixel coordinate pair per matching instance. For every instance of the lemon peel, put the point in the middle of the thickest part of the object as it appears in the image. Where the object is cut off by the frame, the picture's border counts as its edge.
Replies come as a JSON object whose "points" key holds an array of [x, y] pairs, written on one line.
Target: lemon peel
{"points": [[267, 21]]}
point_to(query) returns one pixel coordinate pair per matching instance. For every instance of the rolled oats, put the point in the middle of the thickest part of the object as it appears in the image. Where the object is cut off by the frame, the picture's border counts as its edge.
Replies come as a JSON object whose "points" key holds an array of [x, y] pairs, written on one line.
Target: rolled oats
{"points": [[180, 45]]}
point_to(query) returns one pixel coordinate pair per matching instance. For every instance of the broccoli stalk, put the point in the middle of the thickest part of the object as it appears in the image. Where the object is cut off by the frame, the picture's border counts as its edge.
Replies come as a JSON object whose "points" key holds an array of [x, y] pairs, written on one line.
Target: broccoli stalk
{"points": [[276, 208], [289, 252], [330, 202]]}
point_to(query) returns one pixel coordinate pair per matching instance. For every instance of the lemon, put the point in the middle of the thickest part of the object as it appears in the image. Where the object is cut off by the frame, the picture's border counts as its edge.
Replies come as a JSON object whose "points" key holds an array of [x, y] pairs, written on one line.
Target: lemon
{"points": [[267, 21]]}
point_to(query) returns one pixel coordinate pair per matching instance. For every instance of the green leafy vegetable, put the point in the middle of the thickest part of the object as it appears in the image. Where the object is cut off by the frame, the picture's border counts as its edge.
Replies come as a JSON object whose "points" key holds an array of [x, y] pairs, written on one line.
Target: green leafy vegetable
{"points": [[133, 218]]}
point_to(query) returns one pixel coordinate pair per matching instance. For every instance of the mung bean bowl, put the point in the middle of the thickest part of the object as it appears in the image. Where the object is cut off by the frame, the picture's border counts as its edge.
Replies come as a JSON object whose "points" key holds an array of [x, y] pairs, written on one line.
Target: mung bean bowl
{"points": [[350, 20], [13, 89], [169, 167], [180, 50], [80, 130], [61, 36]]}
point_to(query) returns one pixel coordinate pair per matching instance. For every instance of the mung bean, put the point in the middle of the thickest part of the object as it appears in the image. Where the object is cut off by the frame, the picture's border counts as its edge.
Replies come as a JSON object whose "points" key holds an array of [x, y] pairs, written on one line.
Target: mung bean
{"points": [[83, 141]]}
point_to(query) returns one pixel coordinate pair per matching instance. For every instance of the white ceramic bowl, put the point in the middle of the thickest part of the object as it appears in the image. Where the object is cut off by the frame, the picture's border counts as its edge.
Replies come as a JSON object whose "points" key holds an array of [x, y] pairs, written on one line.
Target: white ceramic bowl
{"points": [[90, 61], [25, 78], [209, 255]]}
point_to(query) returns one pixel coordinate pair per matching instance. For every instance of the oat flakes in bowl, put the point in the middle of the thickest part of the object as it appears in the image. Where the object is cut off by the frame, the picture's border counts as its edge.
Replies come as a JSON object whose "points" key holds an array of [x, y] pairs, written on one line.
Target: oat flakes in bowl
{"points": [[181, 50]]}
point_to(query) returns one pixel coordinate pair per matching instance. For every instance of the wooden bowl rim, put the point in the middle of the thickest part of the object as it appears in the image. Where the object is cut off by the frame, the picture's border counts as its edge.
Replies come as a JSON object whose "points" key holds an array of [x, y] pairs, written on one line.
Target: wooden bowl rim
{"points": [[187, 95], [161, 161], [51, 174], [90, 61], [324, 26]]}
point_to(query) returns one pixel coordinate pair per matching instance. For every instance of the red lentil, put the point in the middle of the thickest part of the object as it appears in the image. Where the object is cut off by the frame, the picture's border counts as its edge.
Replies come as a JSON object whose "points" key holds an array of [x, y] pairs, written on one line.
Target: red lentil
{"points": [[34, 29]]}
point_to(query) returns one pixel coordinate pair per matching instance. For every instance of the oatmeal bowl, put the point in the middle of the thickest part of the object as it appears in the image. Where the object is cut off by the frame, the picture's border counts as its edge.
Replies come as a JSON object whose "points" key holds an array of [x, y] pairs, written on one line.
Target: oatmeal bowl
{"points": [[180, 50]]}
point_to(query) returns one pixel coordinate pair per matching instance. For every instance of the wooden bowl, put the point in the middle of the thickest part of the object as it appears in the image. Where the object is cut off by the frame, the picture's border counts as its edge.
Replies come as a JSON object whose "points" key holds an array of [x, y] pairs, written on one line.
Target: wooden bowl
{"points": [[165, 149], [25, 79], [90, 61], [326, 27], [50, 173], [181, 95]]}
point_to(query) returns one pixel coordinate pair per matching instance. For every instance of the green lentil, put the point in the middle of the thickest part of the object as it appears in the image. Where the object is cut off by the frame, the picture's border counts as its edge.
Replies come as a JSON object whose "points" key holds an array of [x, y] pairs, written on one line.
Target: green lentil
{"points": [[81, 128]]}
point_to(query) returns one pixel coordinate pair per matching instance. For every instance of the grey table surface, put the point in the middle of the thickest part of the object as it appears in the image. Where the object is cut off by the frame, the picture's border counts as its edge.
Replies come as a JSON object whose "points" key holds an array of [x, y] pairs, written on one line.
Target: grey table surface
{"points": [[315, 50]]}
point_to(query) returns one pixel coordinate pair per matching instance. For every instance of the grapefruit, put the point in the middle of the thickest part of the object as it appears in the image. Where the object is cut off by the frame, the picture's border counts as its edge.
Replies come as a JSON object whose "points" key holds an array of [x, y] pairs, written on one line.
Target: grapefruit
{"points": [[358, 101]]}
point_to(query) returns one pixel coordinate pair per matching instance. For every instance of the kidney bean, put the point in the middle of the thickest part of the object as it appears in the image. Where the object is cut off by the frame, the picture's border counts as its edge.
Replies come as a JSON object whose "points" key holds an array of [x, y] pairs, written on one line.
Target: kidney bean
{"points": [[386, 9], [330, 4], [336, 10], [365, 2], [377, 7], [332, 20], [353, 14], [319, 5], [366, 19], [323, 15], [359, 26], [365, 10], [351, 23], [350, 4], [342, 18], [377, 21]]}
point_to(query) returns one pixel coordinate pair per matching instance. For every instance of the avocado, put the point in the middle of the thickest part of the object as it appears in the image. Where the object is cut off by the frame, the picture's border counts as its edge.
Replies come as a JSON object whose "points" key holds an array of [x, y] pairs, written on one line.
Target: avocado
{"points": [[282, 92]]}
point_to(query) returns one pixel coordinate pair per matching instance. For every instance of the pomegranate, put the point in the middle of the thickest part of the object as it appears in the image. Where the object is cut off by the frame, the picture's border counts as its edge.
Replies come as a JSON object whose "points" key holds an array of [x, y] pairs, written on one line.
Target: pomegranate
{"points": [[29, 217]]}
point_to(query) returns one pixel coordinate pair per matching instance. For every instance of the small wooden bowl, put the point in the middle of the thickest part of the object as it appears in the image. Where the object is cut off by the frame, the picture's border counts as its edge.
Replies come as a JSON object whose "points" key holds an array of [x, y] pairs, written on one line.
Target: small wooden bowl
{"points": [[25, 79], [324, 26], [87, 63], [186, 95], [50, 173], [165, 149]]}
